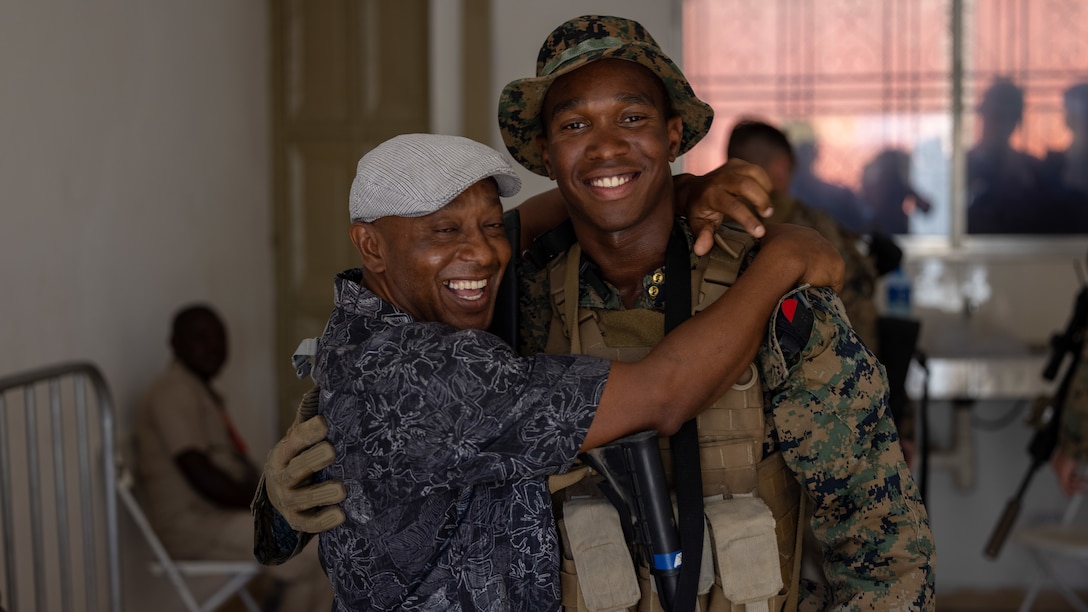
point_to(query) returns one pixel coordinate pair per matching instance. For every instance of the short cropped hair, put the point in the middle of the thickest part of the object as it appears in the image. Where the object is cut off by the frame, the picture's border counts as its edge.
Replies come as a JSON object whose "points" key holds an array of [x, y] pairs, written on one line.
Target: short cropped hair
{"points": [[757, 142]]}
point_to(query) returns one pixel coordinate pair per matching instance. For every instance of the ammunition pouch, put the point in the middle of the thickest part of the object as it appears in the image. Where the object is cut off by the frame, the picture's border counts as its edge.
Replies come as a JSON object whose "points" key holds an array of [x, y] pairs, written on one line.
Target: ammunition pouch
{"points": [[746, 550], [595, 540]]}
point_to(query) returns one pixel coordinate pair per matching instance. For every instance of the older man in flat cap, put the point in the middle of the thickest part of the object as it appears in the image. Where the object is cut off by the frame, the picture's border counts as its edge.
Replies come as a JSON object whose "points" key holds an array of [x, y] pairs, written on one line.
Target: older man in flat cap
{"points": [[444, 437]]}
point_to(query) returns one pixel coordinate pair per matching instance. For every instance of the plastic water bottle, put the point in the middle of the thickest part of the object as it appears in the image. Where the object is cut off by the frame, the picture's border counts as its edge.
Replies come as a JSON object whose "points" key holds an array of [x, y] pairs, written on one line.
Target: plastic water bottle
{"points": [[897, 294]]}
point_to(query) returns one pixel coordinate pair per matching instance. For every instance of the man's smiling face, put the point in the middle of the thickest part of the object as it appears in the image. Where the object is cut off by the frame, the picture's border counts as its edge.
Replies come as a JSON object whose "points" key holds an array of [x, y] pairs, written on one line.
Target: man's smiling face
{"points": [[608, 140], [445, 266]]}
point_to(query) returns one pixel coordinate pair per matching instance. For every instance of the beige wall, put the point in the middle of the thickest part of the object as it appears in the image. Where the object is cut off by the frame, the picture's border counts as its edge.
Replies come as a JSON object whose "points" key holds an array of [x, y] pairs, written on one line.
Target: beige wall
{"points": [[135, 177], [134, 168]]}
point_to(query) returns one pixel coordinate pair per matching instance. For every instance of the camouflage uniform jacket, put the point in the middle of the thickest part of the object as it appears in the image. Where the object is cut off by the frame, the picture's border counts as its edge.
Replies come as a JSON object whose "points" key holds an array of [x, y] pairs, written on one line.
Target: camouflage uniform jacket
{"points": [[830, 423], [1073, 435], [860, 282]]}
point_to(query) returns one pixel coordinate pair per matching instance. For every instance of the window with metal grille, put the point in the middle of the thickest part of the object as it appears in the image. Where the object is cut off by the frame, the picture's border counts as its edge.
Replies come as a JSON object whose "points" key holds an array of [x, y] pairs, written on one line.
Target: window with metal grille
{"points": [[927, 117]]}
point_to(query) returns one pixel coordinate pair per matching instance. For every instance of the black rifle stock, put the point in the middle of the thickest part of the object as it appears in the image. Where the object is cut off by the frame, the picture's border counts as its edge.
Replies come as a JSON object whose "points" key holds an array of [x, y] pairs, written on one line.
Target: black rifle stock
{"points": [[635, 484], [1046, 436]]}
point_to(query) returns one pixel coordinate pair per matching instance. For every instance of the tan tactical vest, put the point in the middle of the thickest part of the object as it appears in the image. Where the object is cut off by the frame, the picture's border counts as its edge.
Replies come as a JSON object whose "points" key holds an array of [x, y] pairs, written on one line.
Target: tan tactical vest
{"points": [[731, 435]]}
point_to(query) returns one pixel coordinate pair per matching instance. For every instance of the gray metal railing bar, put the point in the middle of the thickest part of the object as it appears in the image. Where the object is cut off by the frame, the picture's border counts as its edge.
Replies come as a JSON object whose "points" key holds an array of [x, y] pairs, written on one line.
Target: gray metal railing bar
{"points": [[61, 497], [109, 476], [6, 507], [33, 475], [87, 500]]}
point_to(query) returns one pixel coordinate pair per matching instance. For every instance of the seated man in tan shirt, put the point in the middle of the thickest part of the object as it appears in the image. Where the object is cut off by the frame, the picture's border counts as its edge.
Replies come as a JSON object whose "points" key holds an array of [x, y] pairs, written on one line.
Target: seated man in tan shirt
{"points": [[193, 467]]}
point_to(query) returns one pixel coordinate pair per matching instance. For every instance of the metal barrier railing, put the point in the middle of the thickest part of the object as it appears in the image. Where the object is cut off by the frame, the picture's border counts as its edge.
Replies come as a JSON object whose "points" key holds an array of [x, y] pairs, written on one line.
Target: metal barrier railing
{"points": [[58, 509]]}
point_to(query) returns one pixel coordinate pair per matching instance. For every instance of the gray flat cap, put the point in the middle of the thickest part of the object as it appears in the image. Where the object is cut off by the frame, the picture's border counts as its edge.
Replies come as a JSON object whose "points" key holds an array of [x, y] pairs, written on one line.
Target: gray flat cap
{"points": [[412, 175]]}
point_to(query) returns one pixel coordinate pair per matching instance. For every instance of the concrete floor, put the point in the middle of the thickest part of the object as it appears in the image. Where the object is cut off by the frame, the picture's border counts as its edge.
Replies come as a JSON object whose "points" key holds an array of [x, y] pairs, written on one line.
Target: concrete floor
{"points": [[1004, 600]]}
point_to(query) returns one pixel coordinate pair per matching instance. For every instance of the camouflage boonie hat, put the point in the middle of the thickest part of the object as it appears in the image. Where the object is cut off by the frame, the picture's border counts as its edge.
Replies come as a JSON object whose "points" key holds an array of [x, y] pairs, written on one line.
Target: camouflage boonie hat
{"points": [[574, 44]]}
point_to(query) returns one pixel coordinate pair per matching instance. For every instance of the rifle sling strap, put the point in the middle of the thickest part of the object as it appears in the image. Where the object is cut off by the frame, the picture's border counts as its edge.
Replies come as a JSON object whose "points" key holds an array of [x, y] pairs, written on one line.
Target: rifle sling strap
{"points": [[687, 473]]}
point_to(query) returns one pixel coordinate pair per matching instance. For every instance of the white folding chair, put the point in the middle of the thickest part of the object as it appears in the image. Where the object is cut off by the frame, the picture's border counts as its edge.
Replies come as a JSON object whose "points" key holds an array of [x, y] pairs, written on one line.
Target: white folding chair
{"points": [[238, 573], [1047, 544]]}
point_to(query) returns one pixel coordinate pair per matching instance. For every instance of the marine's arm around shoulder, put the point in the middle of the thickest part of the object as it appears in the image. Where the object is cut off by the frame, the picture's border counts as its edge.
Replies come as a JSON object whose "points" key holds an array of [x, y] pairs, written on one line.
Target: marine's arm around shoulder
{"points": [[287, 507]]}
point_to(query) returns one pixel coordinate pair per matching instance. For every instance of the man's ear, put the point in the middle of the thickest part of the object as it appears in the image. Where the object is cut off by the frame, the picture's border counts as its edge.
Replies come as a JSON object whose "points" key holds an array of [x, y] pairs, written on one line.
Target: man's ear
{"points": [[675, 127], [369, 244], [542, 143]]}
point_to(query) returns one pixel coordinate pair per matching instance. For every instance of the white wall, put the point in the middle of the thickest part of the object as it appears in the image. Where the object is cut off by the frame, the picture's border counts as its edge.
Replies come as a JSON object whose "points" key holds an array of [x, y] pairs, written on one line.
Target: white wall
{"points": [[135, 174]]}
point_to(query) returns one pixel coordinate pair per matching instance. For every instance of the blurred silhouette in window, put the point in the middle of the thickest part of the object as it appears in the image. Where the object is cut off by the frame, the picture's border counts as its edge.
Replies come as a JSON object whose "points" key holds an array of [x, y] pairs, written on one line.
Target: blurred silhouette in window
{"points": [[887, 194], [836, 200], [1005, 190], [1066, 172], [766, 146]]}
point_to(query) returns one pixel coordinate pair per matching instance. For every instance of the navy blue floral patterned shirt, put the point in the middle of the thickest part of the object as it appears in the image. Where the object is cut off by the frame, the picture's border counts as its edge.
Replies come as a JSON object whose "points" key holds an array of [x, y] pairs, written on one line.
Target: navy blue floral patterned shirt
{"points": [[443, 440]]}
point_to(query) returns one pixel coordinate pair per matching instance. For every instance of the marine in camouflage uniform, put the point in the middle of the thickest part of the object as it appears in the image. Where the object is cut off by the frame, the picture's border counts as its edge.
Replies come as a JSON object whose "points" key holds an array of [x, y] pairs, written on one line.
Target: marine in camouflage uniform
{"points": [[828, 411], [828, 418]]}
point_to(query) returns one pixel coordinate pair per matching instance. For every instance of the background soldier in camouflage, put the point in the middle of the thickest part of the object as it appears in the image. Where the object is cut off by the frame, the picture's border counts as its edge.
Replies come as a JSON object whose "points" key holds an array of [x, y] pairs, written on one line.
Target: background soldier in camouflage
{"points": [[769, 148], [595, 119]]}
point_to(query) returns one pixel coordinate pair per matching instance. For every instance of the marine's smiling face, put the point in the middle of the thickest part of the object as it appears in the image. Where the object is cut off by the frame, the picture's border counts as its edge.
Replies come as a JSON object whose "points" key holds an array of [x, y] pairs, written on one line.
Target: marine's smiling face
{"points": [[445, 266], [608, 140]]}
